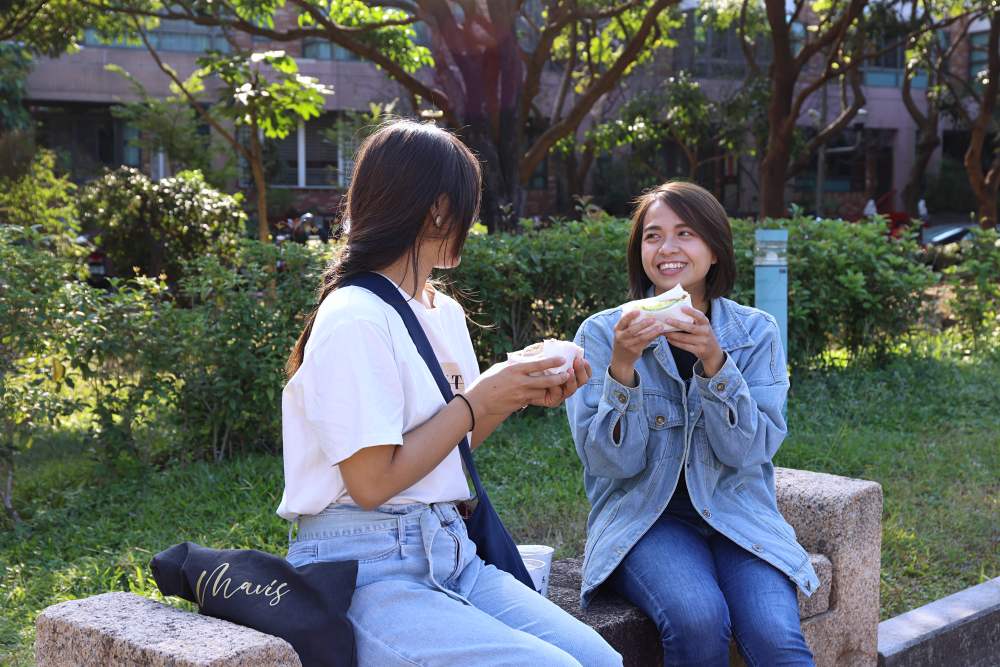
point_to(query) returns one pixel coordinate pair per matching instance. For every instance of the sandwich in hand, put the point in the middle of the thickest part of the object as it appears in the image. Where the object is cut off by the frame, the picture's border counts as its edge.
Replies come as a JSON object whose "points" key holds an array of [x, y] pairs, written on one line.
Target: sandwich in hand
{"points": [[663, 306], [564, 349]]}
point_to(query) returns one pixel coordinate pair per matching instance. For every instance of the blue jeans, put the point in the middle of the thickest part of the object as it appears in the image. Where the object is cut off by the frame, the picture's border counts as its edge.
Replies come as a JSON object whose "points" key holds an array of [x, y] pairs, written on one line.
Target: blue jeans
{"points": [[701, 589], [423, 597]]}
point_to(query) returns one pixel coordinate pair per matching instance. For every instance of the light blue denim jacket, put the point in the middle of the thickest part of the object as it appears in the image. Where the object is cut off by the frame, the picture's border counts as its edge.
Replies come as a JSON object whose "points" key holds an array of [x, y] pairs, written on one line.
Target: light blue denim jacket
{"points": [[725, 429]]}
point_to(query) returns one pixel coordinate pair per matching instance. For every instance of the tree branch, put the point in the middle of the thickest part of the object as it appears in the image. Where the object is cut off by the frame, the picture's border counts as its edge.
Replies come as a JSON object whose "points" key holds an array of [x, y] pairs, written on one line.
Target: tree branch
{"points": [[207, 117], [831, 37], [748, 54], [541, 55], [557, 106], [541, 147], [16, 21], [847, 113], [394, 70]]}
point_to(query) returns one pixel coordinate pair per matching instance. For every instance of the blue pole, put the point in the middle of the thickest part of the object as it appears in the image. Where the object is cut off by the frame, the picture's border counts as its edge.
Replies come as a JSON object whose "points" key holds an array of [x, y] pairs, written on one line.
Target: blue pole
{"points": [[771, 277]]}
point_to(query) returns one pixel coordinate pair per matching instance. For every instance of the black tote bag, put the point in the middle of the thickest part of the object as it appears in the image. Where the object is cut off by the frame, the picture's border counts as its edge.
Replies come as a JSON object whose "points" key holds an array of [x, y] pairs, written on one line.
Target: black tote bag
{"points": [[306, 606], [493, 543]]}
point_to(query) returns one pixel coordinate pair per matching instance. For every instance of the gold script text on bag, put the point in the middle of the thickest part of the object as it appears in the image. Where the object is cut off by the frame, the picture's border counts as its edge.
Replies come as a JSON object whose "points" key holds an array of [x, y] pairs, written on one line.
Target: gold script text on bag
{"points": [[273, 591]]}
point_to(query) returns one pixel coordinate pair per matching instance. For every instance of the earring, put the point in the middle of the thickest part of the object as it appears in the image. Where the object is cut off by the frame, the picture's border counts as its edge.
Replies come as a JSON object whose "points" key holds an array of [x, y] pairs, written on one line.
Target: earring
{"points": [[437, 221]]}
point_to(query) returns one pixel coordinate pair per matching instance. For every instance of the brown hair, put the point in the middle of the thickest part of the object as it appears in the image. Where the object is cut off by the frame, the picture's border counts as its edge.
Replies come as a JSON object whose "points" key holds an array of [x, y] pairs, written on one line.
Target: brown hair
{"points": [[697, 207], [400, 172]]}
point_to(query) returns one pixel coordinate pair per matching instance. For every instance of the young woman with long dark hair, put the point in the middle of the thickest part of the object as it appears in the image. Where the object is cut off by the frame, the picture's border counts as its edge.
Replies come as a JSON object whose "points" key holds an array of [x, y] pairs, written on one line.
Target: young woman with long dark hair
{"points": [[372, 472]]}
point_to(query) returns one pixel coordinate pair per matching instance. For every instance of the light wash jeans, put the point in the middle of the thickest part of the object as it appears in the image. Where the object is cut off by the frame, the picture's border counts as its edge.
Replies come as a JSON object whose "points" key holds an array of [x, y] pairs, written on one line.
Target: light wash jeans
{"points": [[423, 597], [701, 589]]}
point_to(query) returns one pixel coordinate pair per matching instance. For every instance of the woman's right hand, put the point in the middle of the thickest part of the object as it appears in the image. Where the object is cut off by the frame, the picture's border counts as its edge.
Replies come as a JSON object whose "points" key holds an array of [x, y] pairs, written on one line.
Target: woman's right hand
{"points": [[509, 386], [631, 338]]}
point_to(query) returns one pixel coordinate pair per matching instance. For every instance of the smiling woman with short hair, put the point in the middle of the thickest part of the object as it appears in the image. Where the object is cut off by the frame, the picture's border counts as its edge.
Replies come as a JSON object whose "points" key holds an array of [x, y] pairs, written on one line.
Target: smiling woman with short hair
{"points": [[676, 430]]}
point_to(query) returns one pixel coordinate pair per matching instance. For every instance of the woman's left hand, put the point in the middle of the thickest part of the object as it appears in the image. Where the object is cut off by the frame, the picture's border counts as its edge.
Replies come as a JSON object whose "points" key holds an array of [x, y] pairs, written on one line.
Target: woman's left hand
{"points": [[554, 396], [697, 338]]}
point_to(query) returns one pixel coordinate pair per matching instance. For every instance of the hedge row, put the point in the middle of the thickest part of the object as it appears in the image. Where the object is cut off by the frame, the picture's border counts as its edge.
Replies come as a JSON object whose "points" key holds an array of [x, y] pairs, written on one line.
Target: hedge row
{"points": [[849, 284], [193, 368]]}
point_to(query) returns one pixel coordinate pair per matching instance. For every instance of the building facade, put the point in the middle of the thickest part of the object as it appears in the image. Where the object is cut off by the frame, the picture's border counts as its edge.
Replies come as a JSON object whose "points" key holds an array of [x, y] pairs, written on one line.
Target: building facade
{"points": [[71, 99]]}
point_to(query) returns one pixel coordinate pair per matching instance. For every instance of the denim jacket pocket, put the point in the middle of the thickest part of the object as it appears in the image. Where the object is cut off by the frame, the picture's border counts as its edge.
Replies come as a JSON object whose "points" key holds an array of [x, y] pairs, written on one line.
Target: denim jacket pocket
{"points": [[662, 412]]}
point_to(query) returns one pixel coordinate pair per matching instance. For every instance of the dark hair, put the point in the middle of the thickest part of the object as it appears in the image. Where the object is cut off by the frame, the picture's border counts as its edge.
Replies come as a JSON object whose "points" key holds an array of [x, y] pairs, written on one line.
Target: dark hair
{"points": [[697, 207], [400, 172]]}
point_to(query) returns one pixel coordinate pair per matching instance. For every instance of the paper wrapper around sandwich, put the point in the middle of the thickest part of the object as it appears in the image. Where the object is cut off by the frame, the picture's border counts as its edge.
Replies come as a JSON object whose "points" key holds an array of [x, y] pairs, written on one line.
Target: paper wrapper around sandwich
{"points": [[566, 350], [666, 305]]}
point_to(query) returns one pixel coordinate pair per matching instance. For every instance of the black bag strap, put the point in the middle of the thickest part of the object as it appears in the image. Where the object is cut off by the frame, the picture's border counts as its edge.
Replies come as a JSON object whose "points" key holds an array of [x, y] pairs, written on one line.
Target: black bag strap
{"points": [[385, 289]]}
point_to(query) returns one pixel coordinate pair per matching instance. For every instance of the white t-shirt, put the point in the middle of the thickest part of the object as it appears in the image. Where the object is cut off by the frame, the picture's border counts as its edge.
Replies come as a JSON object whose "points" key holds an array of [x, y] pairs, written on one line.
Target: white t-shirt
{"points": [[363, 383]]}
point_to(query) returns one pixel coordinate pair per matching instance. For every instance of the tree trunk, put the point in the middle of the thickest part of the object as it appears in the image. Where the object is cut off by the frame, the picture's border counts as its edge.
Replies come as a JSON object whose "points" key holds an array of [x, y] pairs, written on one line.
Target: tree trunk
{"points": [[772, 177], [503, 197], [927, 143], [7, 492], [984, 185], [986, 204], [870, 147], [774, 166], [259, 184], [691, 155]]}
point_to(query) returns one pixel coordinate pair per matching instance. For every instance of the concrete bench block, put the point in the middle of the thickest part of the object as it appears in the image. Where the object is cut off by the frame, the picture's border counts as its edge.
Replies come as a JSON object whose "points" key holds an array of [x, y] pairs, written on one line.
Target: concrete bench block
{"points": [[838, 521], [840, 518], [961, 629], [127, 629]]}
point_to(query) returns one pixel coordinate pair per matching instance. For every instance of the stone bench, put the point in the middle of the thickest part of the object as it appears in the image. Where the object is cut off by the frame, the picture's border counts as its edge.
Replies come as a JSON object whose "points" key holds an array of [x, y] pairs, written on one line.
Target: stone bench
{"points": [[836, 519], [118, 629]]}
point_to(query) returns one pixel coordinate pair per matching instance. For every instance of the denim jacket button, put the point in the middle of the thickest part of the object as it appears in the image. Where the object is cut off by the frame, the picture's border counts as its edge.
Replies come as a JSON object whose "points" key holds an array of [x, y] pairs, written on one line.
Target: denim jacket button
{"points": [[621, 398], [721, 386], [707, 514], [660, 420]]}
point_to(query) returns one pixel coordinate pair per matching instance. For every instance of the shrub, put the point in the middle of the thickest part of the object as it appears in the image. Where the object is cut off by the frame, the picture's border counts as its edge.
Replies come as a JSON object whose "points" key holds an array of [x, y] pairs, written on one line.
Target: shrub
{"points": [[541, 283], [231, 345], [849, 284], [115, 350], [190, 373], [31, 276], [196, 371], [976, 280], [157, 226], [39, 198]]}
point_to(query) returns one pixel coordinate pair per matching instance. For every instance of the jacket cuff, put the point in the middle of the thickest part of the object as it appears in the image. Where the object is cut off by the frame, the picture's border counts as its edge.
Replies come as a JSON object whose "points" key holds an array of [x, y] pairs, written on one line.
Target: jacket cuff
{"points": [[621, 398], [722, 386]]}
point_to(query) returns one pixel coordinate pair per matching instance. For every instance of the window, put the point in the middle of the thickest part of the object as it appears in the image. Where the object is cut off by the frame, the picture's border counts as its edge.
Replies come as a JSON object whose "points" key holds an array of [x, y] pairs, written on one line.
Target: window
{"points": [[287, 159], [887, 69], [181, 36], [318, 154], [714, 54], [87, 137], [322, 156], [978, 56], [347, 147], [321, 49], [131, 154]]}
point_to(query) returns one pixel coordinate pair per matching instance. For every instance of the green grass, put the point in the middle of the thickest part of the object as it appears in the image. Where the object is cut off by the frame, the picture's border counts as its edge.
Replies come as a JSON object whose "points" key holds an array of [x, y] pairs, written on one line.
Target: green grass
{"points": [[927, 427]]}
